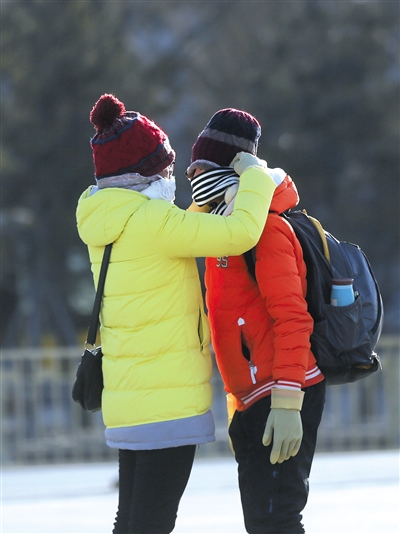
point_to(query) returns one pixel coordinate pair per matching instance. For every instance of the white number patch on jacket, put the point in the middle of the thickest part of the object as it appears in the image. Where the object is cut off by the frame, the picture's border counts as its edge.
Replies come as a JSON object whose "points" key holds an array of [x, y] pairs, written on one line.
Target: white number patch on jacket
{"points": [[222, 262]]}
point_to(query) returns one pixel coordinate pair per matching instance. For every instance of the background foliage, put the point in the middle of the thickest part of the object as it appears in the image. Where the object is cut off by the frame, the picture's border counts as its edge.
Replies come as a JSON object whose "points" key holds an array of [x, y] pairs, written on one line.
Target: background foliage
{"points": [[321, 76]]}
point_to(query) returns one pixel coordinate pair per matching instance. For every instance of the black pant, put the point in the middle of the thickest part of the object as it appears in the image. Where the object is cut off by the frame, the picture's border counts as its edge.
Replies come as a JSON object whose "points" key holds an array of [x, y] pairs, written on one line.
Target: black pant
{"points": [[151, 484], [273, 496]]}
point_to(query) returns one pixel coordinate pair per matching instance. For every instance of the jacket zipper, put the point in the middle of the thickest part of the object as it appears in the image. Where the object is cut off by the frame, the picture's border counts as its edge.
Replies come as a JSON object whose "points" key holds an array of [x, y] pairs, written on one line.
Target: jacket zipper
{"points": [[246, 354], [253, 371]]}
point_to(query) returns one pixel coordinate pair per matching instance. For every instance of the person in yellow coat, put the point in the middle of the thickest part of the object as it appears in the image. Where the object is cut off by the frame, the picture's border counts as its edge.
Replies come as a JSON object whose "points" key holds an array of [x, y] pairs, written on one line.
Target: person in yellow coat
{"points": [[154, 332]]}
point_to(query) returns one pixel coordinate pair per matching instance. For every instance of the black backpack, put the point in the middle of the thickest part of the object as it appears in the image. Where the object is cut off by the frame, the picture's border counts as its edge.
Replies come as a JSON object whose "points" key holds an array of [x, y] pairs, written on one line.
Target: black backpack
{"points": [[344, 337]]}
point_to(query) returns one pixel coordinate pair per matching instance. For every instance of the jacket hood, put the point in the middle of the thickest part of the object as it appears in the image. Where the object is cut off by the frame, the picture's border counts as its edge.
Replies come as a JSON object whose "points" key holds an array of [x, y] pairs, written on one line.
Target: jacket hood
{"points": [[102, 217], [285, 197]]}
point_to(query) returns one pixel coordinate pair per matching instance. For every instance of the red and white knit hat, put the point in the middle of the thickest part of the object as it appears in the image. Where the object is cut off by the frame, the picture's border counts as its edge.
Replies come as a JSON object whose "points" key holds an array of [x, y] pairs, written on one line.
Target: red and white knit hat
{"points": [[126, 141]]}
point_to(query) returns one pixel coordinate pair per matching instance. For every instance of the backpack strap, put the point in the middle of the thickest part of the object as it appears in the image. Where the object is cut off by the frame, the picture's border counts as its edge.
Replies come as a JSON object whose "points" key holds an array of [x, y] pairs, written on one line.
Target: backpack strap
{"points": [[250, 259], [321, 232], [250, 255]]}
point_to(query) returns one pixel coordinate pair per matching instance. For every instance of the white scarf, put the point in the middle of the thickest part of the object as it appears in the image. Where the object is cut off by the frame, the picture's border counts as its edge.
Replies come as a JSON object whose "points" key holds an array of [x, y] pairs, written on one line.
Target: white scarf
{"points": [[154, 187]]}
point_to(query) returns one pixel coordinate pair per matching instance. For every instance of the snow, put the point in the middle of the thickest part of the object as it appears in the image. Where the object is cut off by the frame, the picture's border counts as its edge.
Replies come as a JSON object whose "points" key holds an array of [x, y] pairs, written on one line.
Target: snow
{"points": [[352, 493]]}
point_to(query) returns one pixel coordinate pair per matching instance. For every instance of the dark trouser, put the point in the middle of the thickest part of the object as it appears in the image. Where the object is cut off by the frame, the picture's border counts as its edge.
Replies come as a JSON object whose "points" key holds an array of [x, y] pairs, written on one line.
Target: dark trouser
{"points": [[151, 484], [273, 496]]}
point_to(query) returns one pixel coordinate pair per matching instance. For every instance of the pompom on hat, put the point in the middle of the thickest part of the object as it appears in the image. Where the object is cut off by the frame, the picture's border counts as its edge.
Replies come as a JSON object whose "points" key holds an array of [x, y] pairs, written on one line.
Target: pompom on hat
{"points": [[126, 141], [228, 132]]}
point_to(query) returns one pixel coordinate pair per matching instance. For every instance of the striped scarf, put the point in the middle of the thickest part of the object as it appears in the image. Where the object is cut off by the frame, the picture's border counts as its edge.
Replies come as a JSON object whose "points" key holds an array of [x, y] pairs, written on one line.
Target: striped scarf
{"points": [[208, 186]]}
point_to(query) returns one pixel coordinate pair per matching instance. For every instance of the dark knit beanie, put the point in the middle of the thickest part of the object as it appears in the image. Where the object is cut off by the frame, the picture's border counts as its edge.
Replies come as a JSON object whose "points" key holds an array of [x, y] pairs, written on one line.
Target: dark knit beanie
{"points": [[228, 132], [126, 141]]}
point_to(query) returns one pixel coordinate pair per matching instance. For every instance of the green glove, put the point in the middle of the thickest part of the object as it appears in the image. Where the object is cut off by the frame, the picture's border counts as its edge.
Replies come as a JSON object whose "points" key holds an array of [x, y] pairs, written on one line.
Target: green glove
{"points": [[284, 424], [244, 160]]}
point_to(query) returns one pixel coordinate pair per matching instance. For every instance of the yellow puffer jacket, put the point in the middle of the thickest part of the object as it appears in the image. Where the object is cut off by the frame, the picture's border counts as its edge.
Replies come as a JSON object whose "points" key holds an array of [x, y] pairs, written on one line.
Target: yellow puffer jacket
{"points": [[154, 333]]}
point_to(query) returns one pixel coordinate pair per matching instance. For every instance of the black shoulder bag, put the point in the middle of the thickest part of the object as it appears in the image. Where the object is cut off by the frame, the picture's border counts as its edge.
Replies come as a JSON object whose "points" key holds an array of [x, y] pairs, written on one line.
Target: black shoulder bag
{"points": [[88, 385]]}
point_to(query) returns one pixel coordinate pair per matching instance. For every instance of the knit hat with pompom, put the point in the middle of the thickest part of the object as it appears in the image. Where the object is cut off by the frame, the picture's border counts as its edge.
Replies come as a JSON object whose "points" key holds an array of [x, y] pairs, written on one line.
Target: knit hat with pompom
{"points": [[126, 141]]}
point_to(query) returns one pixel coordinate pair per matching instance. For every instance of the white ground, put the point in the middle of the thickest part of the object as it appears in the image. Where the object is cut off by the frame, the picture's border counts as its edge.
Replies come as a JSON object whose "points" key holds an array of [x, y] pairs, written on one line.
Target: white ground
{"points": [[356, 493]]}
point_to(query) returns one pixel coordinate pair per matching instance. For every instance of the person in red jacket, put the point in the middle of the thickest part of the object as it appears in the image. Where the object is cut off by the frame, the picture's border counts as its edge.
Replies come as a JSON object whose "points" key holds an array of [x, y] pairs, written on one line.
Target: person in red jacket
{"points": [[260, 330]]}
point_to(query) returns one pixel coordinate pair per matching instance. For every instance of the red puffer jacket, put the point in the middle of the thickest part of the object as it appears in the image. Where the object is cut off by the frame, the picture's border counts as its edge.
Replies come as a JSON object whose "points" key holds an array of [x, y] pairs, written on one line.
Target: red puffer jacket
{"points": [[261, 331]]}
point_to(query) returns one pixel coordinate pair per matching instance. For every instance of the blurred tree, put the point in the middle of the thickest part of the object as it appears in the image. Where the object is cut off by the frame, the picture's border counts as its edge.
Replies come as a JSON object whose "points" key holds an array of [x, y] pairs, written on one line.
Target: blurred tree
{"points": [[322, 77], [57, 59]]}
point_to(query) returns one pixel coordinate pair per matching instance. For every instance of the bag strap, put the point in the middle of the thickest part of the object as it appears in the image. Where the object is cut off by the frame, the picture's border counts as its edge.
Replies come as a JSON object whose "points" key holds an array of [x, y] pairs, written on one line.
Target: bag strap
{"points": [[320, 231], [322, 235], [250, 256], [250, 259], [95, 319]]}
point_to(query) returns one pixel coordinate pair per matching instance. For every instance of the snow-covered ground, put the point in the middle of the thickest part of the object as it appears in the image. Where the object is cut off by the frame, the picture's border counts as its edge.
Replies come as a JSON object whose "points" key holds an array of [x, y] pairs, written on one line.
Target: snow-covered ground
{"points": [[355, 493]]}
